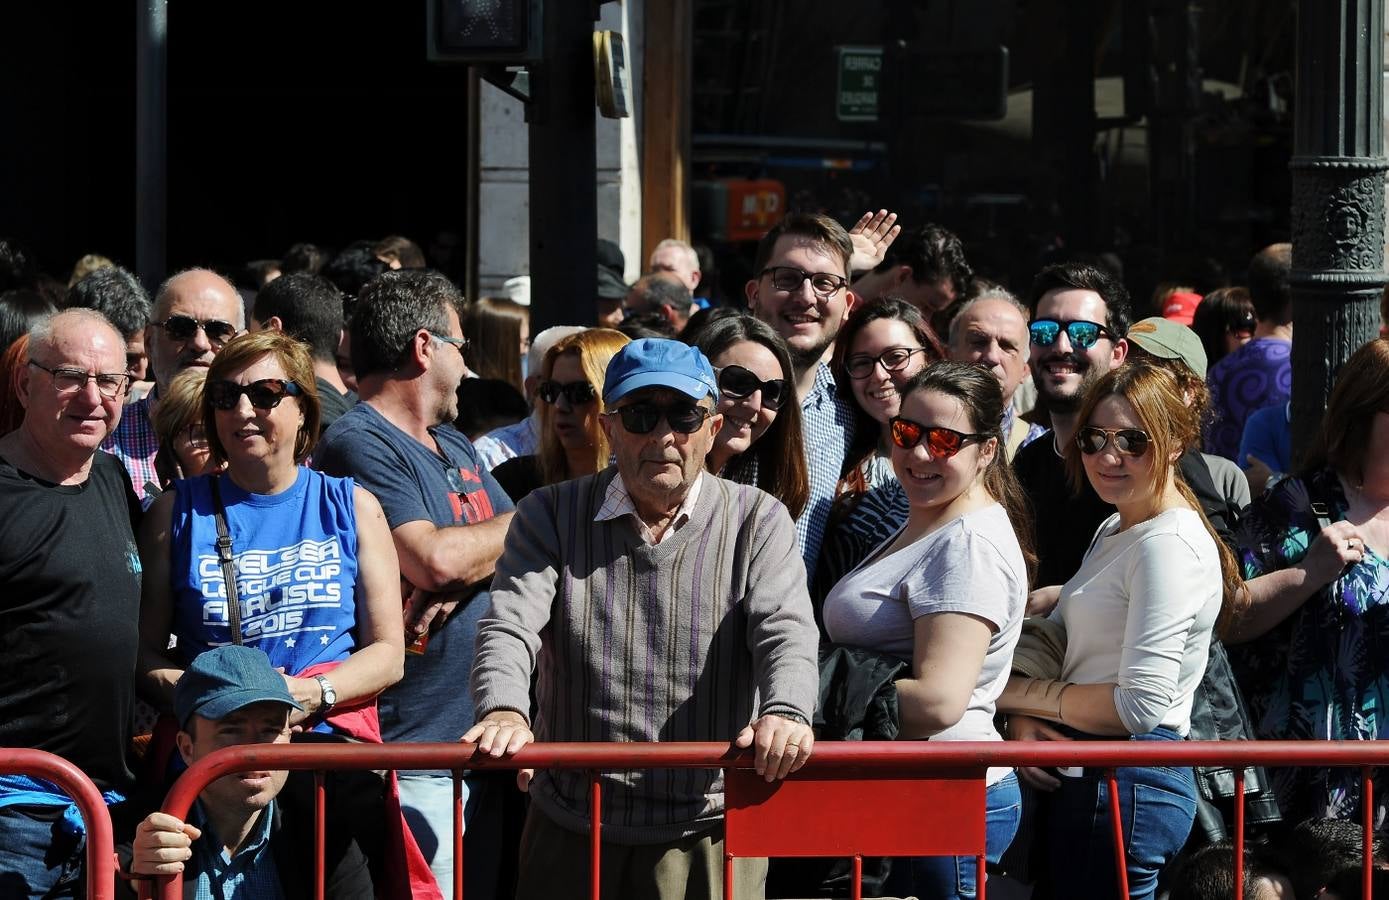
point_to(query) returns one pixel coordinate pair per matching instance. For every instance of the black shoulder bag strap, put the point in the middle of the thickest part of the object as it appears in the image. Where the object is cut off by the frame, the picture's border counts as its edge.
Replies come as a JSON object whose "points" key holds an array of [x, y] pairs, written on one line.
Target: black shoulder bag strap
{"points": [[224, 556]]}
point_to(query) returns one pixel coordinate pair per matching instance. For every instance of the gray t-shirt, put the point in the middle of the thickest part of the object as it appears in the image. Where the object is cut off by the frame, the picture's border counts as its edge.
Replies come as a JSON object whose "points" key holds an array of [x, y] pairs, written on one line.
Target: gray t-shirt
{"points": [[972, 565]]}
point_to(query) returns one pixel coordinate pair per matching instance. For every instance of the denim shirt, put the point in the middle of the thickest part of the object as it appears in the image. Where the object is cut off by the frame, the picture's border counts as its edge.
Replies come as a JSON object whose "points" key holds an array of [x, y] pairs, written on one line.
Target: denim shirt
{"points": [[251, 874]]}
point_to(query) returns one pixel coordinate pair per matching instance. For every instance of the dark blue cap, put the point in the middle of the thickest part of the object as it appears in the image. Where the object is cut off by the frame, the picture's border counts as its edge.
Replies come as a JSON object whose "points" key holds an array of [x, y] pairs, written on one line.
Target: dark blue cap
{"points": [[225, 679], [659, 363]]}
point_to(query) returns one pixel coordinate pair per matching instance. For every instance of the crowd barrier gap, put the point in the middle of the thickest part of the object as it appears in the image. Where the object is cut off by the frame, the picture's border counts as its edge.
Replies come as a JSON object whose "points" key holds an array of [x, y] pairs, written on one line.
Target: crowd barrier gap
{"points": [[850, 800]]}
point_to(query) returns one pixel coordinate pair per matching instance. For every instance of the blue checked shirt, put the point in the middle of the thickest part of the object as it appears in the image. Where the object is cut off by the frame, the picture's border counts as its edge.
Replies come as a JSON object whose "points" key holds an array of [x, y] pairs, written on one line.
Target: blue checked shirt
{"points": [[249, 875], [828, 423]]}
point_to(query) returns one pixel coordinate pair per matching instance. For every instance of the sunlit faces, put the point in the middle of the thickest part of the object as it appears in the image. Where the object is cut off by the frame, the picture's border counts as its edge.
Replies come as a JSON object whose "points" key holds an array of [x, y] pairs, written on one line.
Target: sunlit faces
{"points": [[932, 482], [877, 391], [200, 295], [448, 368], [79, 419], [252, 435], [662, 461], [678, 261], [808, 321], [576, 425], [1122, 479], [266, 722], [746, 419], [993, 334], [1061, 370]]}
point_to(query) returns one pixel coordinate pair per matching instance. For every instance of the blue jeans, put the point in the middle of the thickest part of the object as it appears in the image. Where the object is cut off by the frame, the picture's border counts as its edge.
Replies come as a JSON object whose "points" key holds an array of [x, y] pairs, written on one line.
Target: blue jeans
{"points": [[426, 799], [953, 877], [37, 859], [1157, 806]]}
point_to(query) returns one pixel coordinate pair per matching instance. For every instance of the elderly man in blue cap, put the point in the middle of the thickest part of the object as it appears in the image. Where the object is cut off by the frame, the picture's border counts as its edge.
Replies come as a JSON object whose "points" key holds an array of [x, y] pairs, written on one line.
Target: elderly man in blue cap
{"points": [[247, 835], [653, 601]]}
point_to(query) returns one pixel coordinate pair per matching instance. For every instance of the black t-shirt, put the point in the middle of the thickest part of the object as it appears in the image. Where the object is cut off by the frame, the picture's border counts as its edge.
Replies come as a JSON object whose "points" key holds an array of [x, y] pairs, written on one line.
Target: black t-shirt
{"points": [[69, 616], [519, 476], [1064, 520]]}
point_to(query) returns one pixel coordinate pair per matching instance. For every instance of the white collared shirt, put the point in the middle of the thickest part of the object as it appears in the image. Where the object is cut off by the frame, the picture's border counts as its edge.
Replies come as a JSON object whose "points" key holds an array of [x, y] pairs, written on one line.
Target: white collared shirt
{"points": [[617, 503]]}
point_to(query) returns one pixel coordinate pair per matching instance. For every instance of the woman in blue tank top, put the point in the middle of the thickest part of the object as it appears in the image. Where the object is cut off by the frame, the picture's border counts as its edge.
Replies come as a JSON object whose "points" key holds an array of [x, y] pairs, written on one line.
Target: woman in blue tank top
{"points": [[314, 565]]}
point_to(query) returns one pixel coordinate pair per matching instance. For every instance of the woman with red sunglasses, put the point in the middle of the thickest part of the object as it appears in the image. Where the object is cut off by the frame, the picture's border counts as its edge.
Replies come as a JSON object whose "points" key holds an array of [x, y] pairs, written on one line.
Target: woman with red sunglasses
{"points": [[1136, 620], [946, 593]]}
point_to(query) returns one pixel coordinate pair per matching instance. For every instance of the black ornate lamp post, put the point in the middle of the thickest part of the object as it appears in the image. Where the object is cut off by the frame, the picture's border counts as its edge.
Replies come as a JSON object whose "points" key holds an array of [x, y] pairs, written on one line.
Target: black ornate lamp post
{"points": [[1338, 170]]}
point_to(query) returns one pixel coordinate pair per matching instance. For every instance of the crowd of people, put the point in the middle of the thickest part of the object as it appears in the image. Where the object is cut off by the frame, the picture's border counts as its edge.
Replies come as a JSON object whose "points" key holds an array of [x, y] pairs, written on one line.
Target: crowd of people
{"points": [[879, 497]]}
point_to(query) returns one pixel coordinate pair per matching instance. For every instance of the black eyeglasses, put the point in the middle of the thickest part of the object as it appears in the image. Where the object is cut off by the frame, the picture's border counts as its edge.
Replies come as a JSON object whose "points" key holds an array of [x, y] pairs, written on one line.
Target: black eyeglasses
{"points": [[1081, 333], [740, 383], [182, 328], [943, 443], [576, 392], [66, 381], [1127, 441], [263, 394], [460, 343], [642, 418], [790, 279], [893, 359]]}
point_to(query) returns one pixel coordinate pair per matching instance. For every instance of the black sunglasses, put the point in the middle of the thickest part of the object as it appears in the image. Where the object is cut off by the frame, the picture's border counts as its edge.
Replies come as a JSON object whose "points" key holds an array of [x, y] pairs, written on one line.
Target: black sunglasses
{"points": [[943, 443], [740, 383], [1127, 441], [642, 418], [263, 394], [182, 328], [576, 392], [1082, 334]]}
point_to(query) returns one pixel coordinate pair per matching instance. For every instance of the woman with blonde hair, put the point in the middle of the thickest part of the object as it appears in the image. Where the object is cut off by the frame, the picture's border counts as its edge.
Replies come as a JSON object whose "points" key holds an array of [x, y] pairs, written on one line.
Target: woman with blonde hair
{"points": [[570, 393], [178, 422], [1137, 619]]}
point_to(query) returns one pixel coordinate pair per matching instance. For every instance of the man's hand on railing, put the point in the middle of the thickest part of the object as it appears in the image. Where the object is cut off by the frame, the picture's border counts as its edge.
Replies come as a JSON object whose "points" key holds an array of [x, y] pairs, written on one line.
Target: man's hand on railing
{"points": [[501, 732], [781, 745], [161, 845], [1026, 728]]}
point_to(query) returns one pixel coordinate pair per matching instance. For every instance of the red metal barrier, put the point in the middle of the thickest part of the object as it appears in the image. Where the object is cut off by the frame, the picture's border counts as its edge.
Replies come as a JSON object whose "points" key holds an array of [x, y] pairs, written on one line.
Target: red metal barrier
{"points": [[101, 849], [834, 763]]}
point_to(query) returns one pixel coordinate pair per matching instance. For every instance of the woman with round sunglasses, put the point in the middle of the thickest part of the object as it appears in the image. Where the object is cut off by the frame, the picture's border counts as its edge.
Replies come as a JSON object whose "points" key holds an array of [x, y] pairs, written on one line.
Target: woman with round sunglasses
{"points": [[312, 560], [572, 442], [760, 442], [1137, 619], [946, 592]]}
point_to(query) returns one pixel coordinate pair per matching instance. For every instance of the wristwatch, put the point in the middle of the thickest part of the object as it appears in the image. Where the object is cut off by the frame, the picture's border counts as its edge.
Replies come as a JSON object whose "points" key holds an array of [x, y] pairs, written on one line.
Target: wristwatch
{"points": [[330, 696]]}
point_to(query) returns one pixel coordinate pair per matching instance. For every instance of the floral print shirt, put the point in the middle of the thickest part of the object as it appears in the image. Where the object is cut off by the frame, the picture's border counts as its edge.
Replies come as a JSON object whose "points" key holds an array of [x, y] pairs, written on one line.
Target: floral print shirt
{"points": [[1322, 673]]}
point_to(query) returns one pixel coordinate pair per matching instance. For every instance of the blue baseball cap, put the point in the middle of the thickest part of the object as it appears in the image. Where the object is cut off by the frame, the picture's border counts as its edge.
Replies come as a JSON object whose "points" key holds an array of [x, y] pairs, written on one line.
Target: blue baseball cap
{"points": [[225, 679], [660, 363]]}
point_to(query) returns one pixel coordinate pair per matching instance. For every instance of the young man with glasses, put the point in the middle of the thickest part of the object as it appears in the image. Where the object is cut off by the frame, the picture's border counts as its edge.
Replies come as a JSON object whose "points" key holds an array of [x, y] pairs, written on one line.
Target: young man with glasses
{"points": [[652, 601], [801, 291], [1079, 314], [69, 595], [195, 313]]}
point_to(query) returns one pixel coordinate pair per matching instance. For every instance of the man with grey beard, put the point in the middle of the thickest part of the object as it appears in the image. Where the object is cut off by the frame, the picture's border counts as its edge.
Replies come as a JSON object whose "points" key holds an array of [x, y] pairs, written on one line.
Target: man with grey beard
{"points": [[1079, 316]]}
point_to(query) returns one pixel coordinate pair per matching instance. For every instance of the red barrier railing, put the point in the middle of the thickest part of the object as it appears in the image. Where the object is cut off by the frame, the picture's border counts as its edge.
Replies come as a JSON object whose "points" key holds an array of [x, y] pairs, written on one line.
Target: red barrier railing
{"points": [[101, 851], [953, 770]]}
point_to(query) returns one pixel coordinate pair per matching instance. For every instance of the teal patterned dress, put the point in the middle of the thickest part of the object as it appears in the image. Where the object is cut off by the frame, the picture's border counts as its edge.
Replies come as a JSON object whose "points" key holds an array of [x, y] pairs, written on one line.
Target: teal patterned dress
{"points": [[1323, 673]]}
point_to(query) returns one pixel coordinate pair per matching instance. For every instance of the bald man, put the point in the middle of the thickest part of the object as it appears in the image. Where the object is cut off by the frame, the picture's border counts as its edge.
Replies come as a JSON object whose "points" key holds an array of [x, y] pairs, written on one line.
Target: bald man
{"points": [[69, 593], [991, 331], [195, 313]]}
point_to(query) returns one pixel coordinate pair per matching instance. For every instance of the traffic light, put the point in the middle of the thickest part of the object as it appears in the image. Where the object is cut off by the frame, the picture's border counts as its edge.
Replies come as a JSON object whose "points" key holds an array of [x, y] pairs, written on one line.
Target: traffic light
{"points": [[483, 31]]}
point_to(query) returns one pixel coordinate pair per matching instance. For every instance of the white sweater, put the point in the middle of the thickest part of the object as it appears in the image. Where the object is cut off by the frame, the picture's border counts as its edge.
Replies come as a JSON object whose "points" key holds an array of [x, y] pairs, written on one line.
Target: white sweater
{"points": [[1139, 613]]}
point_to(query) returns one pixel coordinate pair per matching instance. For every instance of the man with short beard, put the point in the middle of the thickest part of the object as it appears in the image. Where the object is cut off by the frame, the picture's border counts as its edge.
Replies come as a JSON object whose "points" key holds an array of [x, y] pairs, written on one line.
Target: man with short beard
{"points": [[1079, 316], [801, 290]]}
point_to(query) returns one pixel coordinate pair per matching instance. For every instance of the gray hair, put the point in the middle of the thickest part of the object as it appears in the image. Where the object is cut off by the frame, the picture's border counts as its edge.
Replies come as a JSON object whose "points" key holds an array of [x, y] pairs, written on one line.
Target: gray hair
{"points": [[41, 334], [993, 293], [163, 296], [679, 245]]}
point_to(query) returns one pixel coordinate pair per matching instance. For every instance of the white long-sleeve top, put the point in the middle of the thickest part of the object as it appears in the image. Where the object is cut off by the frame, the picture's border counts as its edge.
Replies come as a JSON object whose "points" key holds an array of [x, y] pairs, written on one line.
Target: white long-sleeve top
{"points": [[1139, 613]]}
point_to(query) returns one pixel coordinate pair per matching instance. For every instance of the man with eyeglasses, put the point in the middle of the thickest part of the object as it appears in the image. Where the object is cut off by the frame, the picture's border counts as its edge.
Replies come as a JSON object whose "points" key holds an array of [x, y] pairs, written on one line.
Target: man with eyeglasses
{"points": [[195, 313], [652, 601], [1079, 314], [448, 517], [801, 290], [69, 595]]}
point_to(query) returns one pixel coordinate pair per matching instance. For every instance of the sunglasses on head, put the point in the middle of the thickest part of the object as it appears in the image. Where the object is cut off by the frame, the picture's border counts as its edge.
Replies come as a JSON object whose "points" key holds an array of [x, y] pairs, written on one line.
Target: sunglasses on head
{"points": [[182, 328], [943, 443], [740, 383], [263, 394], [1081, 334], [577, 393], [642, 418], [1127, 441]]}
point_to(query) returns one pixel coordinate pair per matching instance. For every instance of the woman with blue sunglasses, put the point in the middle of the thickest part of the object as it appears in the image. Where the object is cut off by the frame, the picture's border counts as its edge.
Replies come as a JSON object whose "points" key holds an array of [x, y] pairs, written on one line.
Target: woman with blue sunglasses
{"points": [[1137, 620]]}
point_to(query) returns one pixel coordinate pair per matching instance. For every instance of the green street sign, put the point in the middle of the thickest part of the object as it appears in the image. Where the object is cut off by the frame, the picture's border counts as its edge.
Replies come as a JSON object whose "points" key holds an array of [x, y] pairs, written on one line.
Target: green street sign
{"points": [[860, 79]]}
